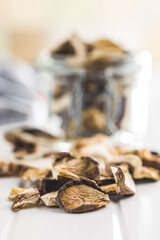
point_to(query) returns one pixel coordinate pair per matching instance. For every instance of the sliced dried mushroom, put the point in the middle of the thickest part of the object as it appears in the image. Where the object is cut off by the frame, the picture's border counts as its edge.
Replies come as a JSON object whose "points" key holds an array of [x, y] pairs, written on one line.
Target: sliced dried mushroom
{"points": [[98, 146], [35, 174], [49, 199], [81, 195], [149, 159], [149, 173], [23, 153], [24, 198], [124, 180], [16, 167], [10, 169], [48, 185], [26, 139], [61, 158], [93, 119], [135, 164], [15, 191], [86, 167]]}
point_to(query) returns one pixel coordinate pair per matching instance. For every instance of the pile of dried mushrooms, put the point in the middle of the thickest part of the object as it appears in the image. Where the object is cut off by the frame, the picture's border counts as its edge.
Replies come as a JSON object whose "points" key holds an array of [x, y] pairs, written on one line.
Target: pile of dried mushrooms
{"points": [[84, 179]]}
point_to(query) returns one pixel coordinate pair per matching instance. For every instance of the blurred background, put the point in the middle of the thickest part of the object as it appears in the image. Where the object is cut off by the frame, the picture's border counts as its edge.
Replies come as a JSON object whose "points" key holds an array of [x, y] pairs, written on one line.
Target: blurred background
{"points": [[29, 26]]}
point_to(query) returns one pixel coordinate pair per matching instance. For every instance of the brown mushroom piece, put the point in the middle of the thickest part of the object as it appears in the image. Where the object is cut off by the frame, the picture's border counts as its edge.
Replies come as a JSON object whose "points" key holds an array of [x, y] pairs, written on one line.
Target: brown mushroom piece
{"points": [[81, 195], [50, 200], [16, 167], [124, 180], [46, 185], [61, 158], [35, 174], [135, 164], [97, 146], [149, 159], [26, 140], [10, 169], [85, 167], [24, 197]]}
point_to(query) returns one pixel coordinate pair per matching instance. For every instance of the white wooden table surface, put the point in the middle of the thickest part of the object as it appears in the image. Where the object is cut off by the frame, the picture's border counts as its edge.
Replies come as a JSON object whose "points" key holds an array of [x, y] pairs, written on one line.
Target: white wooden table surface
{"points": [[132, 218]]}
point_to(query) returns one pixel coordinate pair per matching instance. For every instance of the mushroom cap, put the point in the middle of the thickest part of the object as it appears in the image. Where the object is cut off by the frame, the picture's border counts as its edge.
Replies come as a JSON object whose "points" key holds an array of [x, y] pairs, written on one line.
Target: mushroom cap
{"points": [[81, 195]]}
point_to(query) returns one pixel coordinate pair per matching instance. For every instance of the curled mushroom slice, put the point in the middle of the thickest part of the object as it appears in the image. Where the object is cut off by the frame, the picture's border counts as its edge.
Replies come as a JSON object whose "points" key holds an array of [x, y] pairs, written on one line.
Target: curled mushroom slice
{"points": [[61, 158], [86, 167], [16, 167], [35, 174], [10, 169], [49, 199], [149, 173], [23, 198], [15, 191], [97, 146], [81, 195], [135, 163], [149, 159], [48, 185], [23, 153], [29, 135], [124, 180], [26, 141]]}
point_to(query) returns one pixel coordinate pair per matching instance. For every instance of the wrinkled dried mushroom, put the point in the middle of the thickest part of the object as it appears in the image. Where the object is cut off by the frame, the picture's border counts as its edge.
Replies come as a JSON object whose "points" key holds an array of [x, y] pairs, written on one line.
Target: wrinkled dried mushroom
{"points": [[61, 158], [86, 167], [24, 197], [10, 169], [49, 199], [149, 159], [98, 146], [26, 140], [81, 195], [124, 180], [135, 164]]}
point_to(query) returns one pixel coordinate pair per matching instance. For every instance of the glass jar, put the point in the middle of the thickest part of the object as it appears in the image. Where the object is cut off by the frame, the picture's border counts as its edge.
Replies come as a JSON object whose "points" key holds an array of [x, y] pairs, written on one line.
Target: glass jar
{"points": [[112, 100]]}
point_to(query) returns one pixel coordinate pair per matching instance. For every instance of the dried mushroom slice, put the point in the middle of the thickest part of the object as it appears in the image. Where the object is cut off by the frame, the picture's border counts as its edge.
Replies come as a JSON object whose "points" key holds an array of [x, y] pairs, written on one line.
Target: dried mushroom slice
{"points": [[97, 146], [24, 198], [149, 159], [15, 191], [26, 139], [48, 185], [149, 173], [86, 167], [10, 169], [124, 180], [61, 158], [16, 167], [50, 200], [35, 174], [81, 195], [135, 164], [65, 48], [39, 151]]}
